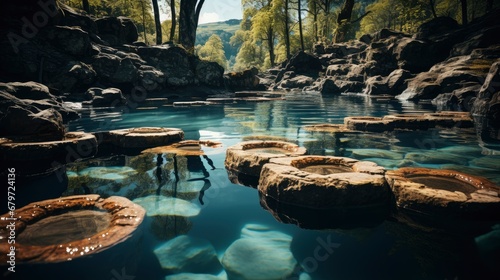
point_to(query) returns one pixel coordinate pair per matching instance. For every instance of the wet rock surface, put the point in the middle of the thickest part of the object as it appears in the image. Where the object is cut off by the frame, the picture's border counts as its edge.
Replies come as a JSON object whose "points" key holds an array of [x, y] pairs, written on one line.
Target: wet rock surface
{"points": [[444, 192], [248, 157], [324, 182], [125, 218]]}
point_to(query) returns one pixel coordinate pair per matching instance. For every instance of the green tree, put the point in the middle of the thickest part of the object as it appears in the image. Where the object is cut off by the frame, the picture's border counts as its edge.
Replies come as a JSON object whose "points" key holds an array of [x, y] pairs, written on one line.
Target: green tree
{"points": [[213, 50]]}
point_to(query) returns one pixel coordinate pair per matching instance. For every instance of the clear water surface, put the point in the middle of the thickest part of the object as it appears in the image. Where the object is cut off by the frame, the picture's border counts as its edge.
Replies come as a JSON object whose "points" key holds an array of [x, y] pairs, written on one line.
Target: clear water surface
{"points": [[386, 248]]}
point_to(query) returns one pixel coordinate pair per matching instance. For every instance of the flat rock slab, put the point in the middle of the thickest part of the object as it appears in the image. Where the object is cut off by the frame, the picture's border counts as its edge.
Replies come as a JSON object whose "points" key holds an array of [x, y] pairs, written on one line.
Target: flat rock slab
{"points": [[260, 253], [125, 218], [444, 192], [248, 157], [145, 137], [74, 146], [288, 181]]}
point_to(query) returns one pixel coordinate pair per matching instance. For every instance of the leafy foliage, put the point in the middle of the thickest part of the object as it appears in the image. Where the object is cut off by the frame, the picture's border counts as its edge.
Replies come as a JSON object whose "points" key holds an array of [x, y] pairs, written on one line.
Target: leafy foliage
{"points": [[213, 50]]}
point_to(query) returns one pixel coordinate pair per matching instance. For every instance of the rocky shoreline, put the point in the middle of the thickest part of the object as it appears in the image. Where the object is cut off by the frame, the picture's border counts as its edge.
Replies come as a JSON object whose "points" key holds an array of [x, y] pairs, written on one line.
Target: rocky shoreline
{"points": [[97, 62]]}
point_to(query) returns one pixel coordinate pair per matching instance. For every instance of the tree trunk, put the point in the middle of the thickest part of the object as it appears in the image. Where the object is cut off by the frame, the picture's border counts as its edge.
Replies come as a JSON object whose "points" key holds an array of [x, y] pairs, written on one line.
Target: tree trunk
{"points": [[489, 6], [188, 22], [300, 25], [156, 11], [464, 11], [270, 46], [144, 22], [86, 6], [433, 9], [287, 30], [174, 20], [343, 20], [315, 19]]}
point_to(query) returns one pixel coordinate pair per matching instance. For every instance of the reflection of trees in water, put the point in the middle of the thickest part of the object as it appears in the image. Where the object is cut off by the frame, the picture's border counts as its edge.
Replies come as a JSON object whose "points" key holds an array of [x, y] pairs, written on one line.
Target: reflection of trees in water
{"points": [[168, 227], [154, 174]]}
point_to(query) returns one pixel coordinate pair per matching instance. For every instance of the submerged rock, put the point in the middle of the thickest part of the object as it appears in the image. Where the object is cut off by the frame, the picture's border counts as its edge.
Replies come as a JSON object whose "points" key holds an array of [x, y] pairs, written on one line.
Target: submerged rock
{"points": [[158, 205], [260, 253], [193, 276], [188, 254]]}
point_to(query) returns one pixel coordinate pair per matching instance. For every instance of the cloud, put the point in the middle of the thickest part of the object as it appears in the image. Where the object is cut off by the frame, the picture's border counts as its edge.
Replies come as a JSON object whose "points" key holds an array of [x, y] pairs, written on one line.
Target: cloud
{"points": [[209, 17]]}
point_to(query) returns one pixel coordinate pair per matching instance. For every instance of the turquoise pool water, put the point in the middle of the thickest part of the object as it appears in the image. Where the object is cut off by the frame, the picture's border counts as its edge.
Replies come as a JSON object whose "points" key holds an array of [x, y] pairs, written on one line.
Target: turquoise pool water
{"points": [[194, 206]]}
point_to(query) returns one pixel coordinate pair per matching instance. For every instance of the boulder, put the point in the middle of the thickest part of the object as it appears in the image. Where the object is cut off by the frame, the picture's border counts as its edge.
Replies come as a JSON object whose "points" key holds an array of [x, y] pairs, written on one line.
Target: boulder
{"points": [[245, 80], [34, 97], [303, 63], [105, 97], [117, 30], [349, 86], [460, 99], [338, 69], [297, 82], [151, 78], [324, 85], [486, 109], [173, 61], [73, 76], [480, 39], [393, 84], [22, 124], [436, 28], [114, 70], [342, 50], [209, 73], [71, 40], [451, 74]]}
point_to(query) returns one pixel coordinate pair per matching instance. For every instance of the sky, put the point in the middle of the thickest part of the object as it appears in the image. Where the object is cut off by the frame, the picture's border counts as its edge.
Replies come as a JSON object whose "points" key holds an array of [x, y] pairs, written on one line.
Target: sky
{"points": [[220, 10]]}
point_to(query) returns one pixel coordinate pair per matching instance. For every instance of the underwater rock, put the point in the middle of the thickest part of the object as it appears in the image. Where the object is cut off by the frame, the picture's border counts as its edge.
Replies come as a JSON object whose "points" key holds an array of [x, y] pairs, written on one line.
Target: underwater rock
{"points": [[192, 276], [188, 254], [492, 162], [158, 205], [248, 157], [436, 157], [260, 253], [324, 182], [444, 192], [114, 174], [375, 153], [90, 225]]}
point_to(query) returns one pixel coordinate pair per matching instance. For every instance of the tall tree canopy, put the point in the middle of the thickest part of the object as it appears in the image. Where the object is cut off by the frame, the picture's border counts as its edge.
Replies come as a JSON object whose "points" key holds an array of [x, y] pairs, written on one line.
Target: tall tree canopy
{"points": [[213, 50]]}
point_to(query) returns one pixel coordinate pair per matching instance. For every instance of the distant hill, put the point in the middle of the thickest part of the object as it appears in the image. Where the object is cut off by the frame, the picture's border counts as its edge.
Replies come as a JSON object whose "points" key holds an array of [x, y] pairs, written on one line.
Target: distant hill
{"points": [[225, 30]]}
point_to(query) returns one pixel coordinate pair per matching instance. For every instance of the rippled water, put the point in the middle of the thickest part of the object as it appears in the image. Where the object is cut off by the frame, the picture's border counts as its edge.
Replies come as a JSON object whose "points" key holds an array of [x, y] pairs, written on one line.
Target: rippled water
{"points": [[215, 210]]}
